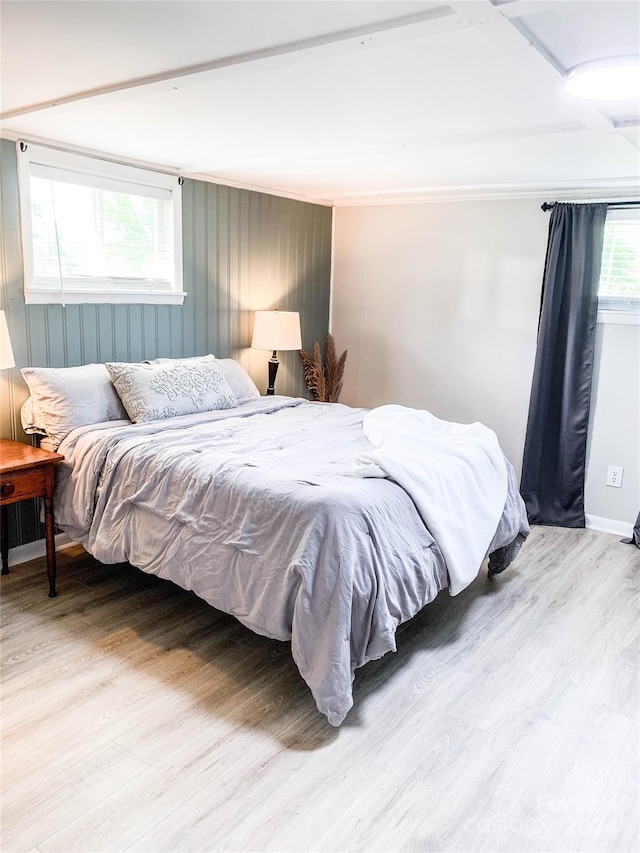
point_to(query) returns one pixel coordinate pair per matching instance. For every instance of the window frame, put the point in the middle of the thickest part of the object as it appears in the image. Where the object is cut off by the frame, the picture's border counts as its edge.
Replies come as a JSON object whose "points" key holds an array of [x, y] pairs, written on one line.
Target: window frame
{"points": [[110, 291], [620, 310]]}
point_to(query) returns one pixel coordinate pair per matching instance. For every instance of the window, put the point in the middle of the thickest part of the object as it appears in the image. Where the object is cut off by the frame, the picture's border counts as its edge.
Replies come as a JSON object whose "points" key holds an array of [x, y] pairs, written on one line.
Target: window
{"points": [[96, 231], [619, 291]]}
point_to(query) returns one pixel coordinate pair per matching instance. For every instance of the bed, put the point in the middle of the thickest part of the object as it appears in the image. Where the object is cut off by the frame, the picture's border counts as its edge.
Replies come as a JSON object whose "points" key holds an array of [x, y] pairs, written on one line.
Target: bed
{"points": [[256, 507]]}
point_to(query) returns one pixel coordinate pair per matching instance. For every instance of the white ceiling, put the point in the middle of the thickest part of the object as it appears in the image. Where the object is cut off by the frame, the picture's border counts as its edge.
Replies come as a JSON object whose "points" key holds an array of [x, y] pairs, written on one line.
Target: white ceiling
{"points": [[340, 102]]}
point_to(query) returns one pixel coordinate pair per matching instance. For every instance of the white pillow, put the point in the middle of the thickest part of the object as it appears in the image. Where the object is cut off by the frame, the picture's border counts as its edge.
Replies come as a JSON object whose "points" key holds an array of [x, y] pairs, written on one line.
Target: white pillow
{"points": [[241, 383], [151, 392], [191, 358], [64, 398], [30, 418]]}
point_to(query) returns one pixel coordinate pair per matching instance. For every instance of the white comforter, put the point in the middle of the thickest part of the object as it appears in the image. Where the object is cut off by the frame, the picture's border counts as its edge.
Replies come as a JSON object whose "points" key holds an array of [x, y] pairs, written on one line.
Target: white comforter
{"points": [[455, 474]]}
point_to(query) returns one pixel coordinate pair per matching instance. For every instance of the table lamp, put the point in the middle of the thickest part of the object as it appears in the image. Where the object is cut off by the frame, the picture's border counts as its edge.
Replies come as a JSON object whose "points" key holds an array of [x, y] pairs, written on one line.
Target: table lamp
{"points": [[276, 330], [6, 353]]}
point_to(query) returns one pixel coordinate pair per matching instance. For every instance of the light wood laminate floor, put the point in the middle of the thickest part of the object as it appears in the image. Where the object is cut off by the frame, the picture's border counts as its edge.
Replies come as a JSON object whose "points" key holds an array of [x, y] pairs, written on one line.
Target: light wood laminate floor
{"points": [[136, 717]]}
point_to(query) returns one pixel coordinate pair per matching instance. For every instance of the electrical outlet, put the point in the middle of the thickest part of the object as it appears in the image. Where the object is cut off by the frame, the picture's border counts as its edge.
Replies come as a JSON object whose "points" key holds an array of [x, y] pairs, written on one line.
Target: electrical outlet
{"points": [[614, 476]]}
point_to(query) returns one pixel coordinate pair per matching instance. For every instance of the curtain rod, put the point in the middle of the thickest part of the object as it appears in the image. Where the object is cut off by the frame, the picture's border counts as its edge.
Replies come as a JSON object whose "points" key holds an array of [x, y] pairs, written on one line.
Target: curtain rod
{"points": [[612, 205]]}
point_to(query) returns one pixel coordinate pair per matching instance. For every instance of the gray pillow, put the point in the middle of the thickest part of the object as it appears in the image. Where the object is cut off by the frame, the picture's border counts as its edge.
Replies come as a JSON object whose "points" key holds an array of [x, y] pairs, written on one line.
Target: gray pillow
{"points": [[63, 398], [241, 383], [152, 392]]}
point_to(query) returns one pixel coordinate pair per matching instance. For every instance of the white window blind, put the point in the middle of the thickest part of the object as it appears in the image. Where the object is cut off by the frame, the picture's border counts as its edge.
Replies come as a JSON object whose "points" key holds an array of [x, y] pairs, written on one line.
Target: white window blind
{"points": [[96, 231], [619, 289]]}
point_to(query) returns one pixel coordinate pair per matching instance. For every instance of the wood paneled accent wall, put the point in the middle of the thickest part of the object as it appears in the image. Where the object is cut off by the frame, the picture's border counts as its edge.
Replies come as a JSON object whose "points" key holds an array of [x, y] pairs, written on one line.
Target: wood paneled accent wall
{"points": [[243, 251]]}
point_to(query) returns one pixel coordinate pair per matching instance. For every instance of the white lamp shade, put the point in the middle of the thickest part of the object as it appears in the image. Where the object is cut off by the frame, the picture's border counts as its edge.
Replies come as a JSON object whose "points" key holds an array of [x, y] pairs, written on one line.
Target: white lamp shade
{"points": [[6, 353], [276, 330]]}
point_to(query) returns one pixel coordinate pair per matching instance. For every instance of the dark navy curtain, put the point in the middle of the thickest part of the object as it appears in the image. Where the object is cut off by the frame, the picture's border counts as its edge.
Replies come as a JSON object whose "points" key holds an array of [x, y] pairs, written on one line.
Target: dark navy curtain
{"points": [[553, 469]]}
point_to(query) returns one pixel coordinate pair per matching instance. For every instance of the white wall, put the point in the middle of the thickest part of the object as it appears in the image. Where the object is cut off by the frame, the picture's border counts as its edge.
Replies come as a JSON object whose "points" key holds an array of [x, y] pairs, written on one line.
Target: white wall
{"points": [[438, 306], [614, 430]]}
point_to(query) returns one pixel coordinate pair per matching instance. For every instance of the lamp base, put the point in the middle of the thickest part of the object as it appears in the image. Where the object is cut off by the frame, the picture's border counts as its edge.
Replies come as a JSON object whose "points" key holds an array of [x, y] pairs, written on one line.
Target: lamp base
{"points": [[273, 369]]}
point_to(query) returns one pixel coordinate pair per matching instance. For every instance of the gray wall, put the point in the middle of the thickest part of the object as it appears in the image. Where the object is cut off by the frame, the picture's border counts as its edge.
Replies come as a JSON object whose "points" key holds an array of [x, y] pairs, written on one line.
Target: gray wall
{"points": [[243, 251]]}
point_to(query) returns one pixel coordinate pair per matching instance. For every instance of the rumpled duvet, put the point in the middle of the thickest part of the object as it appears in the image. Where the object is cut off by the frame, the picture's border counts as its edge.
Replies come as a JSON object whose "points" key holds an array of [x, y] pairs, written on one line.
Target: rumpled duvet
{"points": [[257, 510], [455, 473]]}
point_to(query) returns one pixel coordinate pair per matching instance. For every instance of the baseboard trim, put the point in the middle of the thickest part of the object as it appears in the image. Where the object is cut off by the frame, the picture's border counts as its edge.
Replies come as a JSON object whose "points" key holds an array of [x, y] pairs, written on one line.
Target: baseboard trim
{"points": [[609, 525], [33, 550]]}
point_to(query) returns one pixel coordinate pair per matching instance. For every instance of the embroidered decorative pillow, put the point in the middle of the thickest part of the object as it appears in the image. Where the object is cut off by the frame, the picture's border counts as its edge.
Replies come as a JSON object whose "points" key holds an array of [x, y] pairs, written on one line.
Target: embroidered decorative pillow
{"points": [[63, 398], [151, 392], [239, 380]]}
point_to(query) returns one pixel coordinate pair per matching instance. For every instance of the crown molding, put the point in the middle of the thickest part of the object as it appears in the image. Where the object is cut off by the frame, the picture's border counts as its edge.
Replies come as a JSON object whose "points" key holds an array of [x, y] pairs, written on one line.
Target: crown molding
{"points": [[13, 136], [623, 189], [239, 185], [594, 189]]}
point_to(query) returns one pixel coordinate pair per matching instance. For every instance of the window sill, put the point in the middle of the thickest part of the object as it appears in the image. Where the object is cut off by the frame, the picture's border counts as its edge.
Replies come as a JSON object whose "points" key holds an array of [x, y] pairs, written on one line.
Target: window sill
{"points": [[619, 318], [79, 298]]}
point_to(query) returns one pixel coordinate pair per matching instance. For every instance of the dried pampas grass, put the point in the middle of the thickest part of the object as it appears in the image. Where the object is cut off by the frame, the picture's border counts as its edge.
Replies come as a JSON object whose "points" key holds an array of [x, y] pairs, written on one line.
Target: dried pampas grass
{"points": [[324, 380]]}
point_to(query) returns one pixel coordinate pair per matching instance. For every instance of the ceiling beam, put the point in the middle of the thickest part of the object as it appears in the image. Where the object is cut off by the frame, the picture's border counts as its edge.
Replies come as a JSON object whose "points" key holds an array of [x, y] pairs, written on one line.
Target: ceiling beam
{"points": [[423, 143], [435, 20], [520, 8], [516, 42]]}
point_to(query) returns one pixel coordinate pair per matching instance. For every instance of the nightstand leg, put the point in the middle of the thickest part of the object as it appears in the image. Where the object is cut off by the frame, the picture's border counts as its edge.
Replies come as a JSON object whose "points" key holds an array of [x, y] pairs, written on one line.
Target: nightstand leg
{"points": [[51, 545], [49, 530], [4, 536]]}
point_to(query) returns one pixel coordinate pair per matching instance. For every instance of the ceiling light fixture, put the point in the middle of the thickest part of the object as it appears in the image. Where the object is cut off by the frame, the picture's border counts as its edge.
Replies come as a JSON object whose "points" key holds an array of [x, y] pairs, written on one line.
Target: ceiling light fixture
{"points": [[614, 79]]}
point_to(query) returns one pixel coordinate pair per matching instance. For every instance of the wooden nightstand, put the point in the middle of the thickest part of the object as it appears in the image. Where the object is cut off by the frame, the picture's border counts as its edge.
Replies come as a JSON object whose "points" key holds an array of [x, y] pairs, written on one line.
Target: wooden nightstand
{"points": [[27, 472]]}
